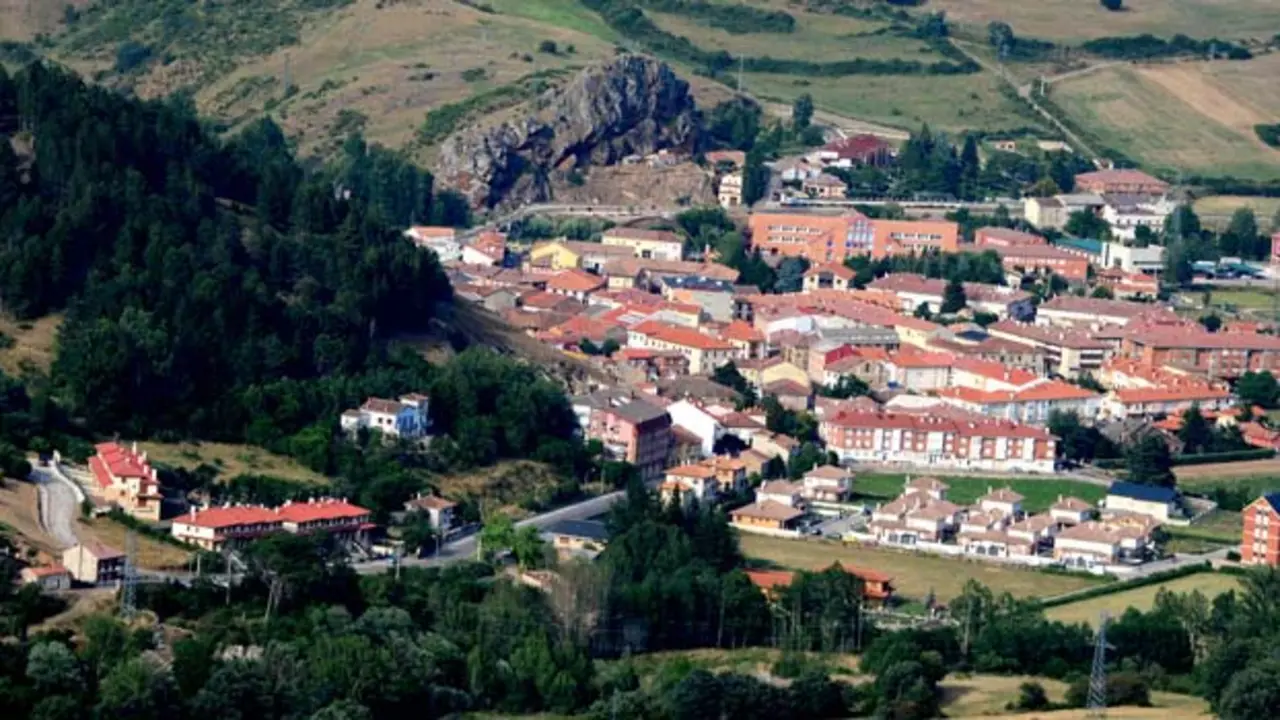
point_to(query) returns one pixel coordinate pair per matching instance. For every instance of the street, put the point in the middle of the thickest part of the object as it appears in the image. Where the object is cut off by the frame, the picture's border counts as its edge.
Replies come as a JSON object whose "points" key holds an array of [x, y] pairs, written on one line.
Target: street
{"points": [[465, 548]]}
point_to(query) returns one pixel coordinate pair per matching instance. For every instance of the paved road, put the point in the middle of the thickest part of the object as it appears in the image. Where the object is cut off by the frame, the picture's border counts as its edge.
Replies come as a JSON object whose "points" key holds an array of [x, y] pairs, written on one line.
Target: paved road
{"points": [[59, 506], [465, 548]]}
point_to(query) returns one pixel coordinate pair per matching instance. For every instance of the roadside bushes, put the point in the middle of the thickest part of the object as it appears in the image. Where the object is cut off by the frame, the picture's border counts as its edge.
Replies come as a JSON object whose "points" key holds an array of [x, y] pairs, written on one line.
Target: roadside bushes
{"points": [[1269, 134]]}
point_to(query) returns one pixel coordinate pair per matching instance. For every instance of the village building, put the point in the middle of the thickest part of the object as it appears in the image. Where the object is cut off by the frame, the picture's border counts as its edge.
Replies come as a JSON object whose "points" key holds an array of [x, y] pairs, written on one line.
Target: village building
{"points": [[1120, 181], [1160, 503], [443, 241], [876, 586], [630, 429], [93, 563], [1092, 543], [49, 578], [1260, 539], [921, 440], [576, 284], [729, 192], [215, 527], [827, 276], [703, 352], [854, 151], [407, 418], [488, 248], [577, 538], [441, 513], [556, 255], [714, 296], [825, 187], [1215, 355], [123, 477], [647, 244], [1068, 352], [916, 290], [1071, 511]]}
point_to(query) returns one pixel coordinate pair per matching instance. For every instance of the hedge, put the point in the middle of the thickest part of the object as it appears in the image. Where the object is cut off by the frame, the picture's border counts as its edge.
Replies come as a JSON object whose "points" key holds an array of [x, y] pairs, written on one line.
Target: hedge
{"points": [[1203, 459], [1112, 588], [1225, 457]]}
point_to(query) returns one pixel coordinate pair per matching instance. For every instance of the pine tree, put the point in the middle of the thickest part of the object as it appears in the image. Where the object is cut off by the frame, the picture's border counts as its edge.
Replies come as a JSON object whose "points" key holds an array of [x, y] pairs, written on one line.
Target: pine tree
{"points": [[953, 297]]}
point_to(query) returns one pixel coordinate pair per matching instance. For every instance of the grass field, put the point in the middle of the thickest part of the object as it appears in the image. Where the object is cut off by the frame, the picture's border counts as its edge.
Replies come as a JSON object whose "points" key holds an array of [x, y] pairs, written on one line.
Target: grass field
{"points": [[32, 344], [1190, 117], [1253, 473], [1242, 298], [1216, 210], [231, 460], [817, 38], [915, 574], [1143, 598], [152, 554], [1073, 21], [1040, 493], [1218, 529], [951, 103]]}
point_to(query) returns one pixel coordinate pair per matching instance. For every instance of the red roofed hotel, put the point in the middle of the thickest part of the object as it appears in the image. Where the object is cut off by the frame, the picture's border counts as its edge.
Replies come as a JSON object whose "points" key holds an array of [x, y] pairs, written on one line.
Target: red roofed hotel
{"points": [[214, 527], [124, 477], [939, 442]]}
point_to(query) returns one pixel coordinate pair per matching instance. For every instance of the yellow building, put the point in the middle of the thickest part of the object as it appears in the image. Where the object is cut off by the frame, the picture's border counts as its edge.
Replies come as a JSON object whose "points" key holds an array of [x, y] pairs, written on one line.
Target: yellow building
{"points": [[783, 371], [570, 254]]}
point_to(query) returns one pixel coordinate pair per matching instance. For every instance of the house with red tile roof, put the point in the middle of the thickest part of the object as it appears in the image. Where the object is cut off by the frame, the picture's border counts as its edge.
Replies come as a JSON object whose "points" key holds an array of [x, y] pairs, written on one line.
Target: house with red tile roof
{"points": [[215, 527], [990, 237], [123, 477], [914, 290], [1033, 403], [828, 276], [1120, 181], [647, 244], [876, 586], [705, 353], [488, 248], [1216, 355], [575, 283], [862, 149]]}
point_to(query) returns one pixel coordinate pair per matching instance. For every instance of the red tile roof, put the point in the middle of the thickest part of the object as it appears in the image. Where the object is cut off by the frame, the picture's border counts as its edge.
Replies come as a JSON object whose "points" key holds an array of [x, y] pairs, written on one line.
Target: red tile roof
{"points": [[742, 332], [575, 281], [683, 336], [993, 370], [305, 512], [840, 271], [220, 518]]}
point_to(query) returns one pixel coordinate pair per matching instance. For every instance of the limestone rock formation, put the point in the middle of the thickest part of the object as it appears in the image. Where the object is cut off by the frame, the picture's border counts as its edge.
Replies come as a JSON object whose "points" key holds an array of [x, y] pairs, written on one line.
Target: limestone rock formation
{"points": [[632, 105]]}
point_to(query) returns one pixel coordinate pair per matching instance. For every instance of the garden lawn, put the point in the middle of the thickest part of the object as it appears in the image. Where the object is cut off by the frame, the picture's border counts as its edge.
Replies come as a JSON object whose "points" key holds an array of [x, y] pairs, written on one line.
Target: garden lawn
{"points": [[1040, 492], [914, 574]]}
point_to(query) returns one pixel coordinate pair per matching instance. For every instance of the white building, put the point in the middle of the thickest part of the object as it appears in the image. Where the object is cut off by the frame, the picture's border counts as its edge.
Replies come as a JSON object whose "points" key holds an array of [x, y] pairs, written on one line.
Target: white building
{"points": [[1126, 213], [695, 419], [407, 418], [443, 241]]}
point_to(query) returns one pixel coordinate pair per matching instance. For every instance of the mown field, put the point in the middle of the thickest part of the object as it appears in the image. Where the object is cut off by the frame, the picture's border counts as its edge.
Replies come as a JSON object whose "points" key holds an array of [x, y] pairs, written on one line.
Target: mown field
{"points": [[1195, 118], [1040, 492], [915, 574], [1088, 611], [1070, 20], [1216, 210]]}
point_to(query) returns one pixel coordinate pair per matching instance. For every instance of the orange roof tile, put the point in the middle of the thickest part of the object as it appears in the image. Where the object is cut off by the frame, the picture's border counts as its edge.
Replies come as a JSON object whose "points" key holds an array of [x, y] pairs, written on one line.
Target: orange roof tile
{"points": [[575, 281]]}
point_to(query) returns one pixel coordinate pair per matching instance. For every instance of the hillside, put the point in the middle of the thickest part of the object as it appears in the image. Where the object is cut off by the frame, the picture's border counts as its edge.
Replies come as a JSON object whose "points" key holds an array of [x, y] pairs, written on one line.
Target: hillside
{"points": [[408, 72]]}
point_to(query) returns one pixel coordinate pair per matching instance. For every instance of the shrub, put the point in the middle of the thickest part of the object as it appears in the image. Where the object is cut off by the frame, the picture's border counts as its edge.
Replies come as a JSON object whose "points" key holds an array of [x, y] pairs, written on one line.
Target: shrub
{"points": [[474, 74], [1031, 696], [1269, 134], [548, 46], [1113, 5], [131, 55]]}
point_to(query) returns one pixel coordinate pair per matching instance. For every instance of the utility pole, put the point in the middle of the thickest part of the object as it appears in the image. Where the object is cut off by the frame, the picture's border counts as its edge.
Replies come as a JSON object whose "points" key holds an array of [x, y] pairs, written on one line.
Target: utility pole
{"points": [[742, 59], [226, 551]]}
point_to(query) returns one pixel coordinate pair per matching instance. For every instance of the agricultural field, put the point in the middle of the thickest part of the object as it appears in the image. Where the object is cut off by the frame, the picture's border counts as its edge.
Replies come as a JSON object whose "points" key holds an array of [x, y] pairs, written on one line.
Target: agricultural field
{"points": [[950, 103], [232, 460], [1040, 492], [915, 574], [1143, 598], [1260, 474], [1072, 21], [1195, 118], [816, 38]]}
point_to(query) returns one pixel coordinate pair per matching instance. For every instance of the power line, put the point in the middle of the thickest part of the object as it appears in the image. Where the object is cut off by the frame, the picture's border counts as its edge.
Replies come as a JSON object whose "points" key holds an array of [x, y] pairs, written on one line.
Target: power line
{"points": [[129, 583]]}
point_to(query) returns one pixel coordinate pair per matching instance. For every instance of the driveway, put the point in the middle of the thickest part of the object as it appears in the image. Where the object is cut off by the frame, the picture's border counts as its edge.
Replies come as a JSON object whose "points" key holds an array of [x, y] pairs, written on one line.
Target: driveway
{"points": [[59, 506]]}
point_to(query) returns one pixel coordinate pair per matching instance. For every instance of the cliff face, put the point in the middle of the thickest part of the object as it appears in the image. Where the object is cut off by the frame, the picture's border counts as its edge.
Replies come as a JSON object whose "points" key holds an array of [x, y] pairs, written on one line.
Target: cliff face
{"points": [[632, 105]]}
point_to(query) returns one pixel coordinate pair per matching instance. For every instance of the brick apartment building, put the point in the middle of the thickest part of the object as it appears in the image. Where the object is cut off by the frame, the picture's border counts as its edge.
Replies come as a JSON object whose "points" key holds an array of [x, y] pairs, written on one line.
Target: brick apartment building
{"points": [[1260, 541], [1220, 355], [1042, 259], [833, 238], [928, 440]]}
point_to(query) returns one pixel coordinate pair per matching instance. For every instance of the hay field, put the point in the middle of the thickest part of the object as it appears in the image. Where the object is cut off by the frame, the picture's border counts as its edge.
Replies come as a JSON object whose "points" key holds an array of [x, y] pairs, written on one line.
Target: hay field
{"points": [[1071, 20], [1216, 210], [914, 574], [1190, 117], [1210, 585]]}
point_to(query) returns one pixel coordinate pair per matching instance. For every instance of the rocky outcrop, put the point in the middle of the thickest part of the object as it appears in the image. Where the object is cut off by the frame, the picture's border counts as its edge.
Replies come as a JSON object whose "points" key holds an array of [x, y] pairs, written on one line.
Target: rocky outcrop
{"points": [[631, 106]]}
